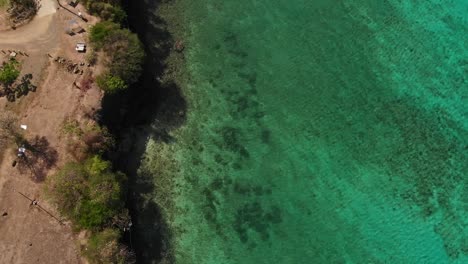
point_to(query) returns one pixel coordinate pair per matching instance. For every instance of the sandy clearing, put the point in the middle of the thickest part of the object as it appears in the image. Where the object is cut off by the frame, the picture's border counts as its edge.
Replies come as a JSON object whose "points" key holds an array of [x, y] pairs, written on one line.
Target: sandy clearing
{"points": [[48, 7], [31, 34], [28, 234]]}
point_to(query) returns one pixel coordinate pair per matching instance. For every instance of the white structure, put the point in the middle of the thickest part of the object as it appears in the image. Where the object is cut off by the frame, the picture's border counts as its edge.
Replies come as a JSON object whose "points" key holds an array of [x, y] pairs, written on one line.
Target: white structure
{"points": [[21, 152], [80, 47]]}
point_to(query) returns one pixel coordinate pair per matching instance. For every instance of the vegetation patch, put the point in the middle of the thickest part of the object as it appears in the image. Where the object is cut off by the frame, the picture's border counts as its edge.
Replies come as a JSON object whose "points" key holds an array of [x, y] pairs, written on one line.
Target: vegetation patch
{"points": [[93, 197], [9, 72], [87, 139], [124, 52], [22, 10], [4, 3], [106, 9], [110, 83], [103, 247], [90, 194], [101, 31], [88, 191]]}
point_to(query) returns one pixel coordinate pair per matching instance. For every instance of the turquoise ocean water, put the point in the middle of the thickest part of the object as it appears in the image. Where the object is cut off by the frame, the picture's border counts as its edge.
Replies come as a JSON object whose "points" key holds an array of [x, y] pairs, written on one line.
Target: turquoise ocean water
{"points": [[319, 132]]}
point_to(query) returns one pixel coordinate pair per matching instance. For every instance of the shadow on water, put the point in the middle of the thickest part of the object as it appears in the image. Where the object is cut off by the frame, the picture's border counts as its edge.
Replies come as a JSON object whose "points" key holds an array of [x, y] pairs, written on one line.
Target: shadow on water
{"points": [[149, 108]]}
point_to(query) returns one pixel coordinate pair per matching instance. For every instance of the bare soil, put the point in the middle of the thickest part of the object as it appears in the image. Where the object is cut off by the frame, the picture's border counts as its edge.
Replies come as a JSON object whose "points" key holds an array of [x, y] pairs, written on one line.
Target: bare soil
{"points": [[29, 234], [3, 19]]}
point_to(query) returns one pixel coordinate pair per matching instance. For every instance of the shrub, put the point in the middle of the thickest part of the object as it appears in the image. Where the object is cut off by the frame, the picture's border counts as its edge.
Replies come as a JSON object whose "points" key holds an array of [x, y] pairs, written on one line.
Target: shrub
{"points": [[9, 72], [104, 247], [91, 57], [77, 149], [4, 3], [97, 139], [96, 166], [72, 127], [125, 55], [117, 14], [68, 189], [93, 215], [109, 10], [90, 194], [22, 10], [110, 84], [100, 32], [89, 140]]}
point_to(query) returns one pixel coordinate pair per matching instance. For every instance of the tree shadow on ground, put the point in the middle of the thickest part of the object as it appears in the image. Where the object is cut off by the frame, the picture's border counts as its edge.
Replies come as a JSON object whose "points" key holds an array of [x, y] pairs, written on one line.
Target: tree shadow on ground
{"points": [[39, 158]]}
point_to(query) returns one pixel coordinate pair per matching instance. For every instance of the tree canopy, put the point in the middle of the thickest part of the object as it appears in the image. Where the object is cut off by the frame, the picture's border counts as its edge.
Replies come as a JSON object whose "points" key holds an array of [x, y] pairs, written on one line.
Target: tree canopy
{"points": [[109, 10], [9, 72], [22, 10], [103, 247], [110, 83], [101, 31], [125, 55], [90, 193]]}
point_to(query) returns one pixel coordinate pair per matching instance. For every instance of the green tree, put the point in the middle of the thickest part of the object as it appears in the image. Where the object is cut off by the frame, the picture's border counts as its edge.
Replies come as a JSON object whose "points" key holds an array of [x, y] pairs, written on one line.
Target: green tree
{"points": [[96, 165], [110, 83], [93, 215], [118, 15], [68, 188], [104, 247], [101, 31], [108, 10], [127, 55], [90, 194], [4, 3], [9, 72]]}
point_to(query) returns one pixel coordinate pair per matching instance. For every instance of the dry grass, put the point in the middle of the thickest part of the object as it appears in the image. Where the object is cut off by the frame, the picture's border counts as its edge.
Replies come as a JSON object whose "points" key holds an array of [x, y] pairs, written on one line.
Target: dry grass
{"points": [[4, 3]]}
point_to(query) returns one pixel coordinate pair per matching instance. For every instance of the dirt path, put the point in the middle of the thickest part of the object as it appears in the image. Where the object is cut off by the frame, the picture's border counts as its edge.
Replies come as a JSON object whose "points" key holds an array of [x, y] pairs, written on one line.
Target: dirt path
{"points": [[28, 234]]}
